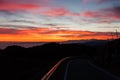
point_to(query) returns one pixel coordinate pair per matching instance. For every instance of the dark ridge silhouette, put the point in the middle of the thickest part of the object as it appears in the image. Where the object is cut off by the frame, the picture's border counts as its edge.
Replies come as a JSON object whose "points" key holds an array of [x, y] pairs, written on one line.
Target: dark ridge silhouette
{"points": [[21, 63], [97, 42]]}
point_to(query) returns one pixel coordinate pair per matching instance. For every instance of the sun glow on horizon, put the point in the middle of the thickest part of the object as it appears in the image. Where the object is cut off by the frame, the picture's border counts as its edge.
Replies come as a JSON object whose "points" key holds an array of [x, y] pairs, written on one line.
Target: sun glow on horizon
{"points": [[58, 20]]}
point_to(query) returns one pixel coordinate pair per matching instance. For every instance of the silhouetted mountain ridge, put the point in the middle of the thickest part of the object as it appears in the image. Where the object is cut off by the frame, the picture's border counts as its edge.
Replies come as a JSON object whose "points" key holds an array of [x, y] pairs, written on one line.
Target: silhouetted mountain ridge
{"points": [[97, 42], [33, 62]]}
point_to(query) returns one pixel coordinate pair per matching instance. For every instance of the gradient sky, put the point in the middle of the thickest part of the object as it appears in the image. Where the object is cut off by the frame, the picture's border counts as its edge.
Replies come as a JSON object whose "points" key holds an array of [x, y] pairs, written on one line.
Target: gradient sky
{"points": [[58, 20]]}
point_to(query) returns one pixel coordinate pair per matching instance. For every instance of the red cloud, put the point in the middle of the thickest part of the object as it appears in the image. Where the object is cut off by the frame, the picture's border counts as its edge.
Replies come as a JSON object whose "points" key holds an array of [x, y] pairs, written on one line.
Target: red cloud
{"points": [[85, 1], [102, 1], [104, 14], [90, 14], [14, 6], [39, 2], [60, 12], [53, 12], [98, 1], [114, 12], [8, 31]]}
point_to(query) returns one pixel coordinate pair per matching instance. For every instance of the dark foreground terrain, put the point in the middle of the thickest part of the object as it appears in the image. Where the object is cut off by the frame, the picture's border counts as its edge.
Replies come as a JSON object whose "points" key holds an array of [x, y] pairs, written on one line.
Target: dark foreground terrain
{"points": [[19, 63]]}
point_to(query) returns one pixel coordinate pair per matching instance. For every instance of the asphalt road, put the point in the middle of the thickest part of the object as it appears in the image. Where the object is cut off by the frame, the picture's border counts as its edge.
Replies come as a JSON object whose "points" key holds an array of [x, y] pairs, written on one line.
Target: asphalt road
{"points": [[84, 70], [78, 69]]}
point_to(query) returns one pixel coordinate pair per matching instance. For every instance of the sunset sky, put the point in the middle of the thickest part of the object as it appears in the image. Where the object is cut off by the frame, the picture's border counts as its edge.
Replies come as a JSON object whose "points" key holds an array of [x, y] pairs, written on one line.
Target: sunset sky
{"points": [[58, 20]]}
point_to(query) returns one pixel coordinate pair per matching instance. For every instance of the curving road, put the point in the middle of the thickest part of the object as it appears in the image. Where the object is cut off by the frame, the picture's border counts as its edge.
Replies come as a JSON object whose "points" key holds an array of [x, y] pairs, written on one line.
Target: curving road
{"points": [[77, 69]]}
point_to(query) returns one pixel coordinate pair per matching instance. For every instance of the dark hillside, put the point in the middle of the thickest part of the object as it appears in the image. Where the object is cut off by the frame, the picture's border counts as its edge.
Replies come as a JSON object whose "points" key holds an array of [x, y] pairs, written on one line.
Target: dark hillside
{"points": [[21, 63]]}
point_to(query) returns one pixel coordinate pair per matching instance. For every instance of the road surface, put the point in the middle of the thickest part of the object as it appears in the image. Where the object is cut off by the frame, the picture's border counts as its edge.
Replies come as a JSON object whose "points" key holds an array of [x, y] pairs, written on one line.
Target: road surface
{"points": [[77, 69]]}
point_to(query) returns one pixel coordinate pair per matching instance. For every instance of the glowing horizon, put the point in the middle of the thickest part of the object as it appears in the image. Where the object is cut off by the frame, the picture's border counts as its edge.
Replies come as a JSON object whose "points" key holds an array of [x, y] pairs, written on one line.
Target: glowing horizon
{"points": [[58, 20]]}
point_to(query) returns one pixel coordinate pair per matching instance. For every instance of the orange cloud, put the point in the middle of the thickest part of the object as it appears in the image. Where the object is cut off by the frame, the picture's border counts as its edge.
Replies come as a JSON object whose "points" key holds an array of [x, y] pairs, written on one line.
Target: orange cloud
{"points": [[49, 35]]}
